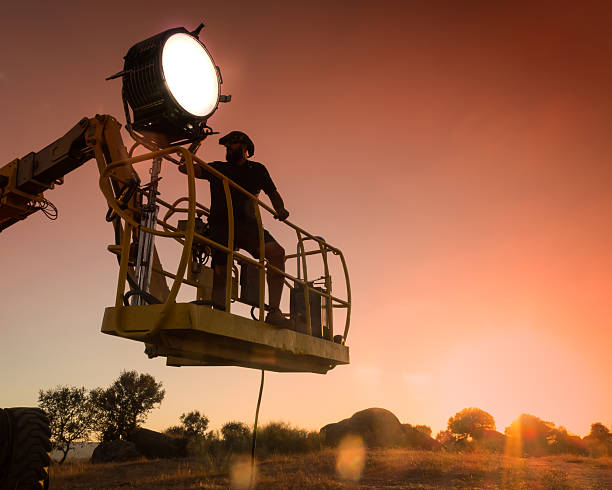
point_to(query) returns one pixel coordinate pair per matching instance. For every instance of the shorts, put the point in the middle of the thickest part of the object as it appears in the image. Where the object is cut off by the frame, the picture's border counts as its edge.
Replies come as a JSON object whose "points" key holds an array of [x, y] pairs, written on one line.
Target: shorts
{"points": [[246, 237]]}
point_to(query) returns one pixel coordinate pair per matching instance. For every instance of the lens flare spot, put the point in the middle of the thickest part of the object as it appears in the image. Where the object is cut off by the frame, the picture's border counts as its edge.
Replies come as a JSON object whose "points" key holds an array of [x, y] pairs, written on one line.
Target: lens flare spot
{"points": [[513, 447], [351, 458], [240, 473]]}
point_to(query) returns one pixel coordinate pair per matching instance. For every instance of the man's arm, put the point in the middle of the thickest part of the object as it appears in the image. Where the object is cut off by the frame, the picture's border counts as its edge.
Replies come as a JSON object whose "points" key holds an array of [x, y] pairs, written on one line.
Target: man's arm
{"points": [[198, 171], [278, 205]]}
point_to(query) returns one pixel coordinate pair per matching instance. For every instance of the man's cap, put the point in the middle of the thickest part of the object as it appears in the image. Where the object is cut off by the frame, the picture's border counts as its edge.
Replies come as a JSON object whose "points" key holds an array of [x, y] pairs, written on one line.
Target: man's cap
{"points": [[238, 137]]}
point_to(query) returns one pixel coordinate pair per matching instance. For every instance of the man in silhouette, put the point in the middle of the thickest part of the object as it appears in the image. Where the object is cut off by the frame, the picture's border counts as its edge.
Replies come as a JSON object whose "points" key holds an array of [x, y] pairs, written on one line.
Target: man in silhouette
{"points": [[253, 177]]}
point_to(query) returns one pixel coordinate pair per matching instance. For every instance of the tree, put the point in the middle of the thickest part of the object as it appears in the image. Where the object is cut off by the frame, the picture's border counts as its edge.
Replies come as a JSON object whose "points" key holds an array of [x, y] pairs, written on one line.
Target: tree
{"points": [[562, 442], [194, 424], [599, 440], [599, 432], [70, 416], [123, 406], [470, 422], [530, 435], [236, 435]]}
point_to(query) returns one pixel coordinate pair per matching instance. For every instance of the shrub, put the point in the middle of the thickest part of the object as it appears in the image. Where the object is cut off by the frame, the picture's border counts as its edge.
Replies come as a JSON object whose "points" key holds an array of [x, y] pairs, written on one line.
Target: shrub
{"points": [[281, 438]]}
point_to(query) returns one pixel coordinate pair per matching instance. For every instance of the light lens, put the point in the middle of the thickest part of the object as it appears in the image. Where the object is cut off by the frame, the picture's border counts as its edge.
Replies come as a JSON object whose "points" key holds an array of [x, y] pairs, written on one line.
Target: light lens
{"points": [[190, 74]]}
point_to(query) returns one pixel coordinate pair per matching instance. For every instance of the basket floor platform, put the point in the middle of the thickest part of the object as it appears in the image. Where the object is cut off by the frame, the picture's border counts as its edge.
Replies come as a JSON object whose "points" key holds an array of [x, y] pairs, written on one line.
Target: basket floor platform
{"points": [[194, 335]]}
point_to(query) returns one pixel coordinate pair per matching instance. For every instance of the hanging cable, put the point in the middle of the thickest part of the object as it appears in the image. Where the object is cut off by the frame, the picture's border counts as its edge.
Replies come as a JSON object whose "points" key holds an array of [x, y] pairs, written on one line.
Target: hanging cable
{"points": [[254, 444], [46, 206]]}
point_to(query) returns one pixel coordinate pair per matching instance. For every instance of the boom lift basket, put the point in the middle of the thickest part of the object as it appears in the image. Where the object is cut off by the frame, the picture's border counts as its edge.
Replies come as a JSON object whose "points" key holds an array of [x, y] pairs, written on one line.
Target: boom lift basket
{"points": [[195, 334]]}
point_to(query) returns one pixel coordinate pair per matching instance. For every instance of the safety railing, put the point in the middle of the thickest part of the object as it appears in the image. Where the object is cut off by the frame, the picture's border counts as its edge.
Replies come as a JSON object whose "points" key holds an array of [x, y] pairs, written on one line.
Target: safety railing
{"points": [[187, 236]]}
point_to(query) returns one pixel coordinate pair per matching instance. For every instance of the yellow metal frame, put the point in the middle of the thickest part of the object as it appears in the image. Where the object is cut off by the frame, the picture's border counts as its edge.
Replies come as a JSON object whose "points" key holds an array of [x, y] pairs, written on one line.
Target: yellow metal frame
{"points": [[131, 227]]}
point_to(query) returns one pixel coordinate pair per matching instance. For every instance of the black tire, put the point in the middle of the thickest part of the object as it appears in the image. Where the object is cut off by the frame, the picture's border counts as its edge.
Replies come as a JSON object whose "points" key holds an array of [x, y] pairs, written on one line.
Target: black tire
{"points": [[29, 461]]}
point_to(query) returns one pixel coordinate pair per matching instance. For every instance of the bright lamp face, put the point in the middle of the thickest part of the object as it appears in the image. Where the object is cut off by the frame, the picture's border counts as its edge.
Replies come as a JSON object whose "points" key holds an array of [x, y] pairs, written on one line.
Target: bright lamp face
{"points": [[190, 74]]}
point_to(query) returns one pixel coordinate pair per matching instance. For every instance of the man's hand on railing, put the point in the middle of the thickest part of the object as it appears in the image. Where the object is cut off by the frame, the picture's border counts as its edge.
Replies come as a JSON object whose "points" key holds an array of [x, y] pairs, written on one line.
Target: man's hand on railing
{"points": [[281, 214], [198, 171], [278, 205]]}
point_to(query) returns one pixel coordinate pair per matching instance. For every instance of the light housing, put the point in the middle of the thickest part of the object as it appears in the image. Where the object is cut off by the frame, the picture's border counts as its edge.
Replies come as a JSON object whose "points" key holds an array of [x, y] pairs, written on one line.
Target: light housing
{"points": [[172, 85]]}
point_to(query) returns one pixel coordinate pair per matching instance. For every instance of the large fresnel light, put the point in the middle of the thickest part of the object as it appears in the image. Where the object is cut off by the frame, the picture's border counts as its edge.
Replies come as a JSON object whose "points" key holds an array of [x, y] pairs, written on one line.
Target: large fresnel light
{"points": [[172, 85]]}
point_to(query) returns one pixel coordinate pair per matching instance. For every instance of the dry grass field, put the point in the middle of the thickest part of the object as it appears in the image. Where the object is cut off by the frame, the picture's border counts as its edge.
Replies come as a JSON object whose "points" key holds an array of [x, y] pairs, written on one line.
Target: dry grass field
{"points": [[330, 469]]}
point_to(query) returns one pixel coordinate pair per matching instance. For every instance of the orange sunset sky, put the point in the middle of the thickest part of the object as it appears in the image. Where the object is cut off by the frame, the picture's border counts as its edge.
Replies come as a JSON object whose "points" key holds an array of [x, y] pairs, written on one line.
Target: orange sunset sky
{"points": [[459, 153]]}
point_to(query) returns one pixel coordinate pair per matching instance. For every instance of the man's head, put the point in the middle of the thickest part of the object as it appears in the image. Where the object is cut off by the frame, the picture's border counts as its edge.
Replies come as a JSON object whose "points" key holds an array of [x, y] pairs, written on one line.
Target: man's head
{"points": [[238, 146]]}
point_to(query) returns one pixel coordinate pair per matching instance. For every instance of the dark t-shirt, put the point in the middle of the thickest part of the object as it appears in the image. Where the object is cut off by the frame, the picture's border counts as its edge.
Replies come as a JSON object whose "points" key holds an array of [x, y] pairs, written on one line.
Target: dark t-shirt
{"points": [[251, 176]]}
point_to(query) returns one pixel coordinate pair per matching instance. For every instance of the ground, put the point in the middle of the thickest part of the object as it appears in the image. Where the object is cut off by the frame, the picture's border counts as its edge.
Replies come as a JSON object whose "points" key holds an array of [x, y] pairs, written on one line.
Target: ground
{"points": [[383, 469]]}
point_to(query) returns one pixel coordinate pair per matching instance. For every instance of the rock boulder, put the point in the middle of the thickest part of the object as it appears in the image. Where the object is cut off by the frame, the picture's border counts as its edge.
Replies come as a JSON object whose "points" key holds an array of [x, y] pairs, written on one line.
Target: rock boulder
{"points": [[376, 426], [157, 445], [115, 451]]}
